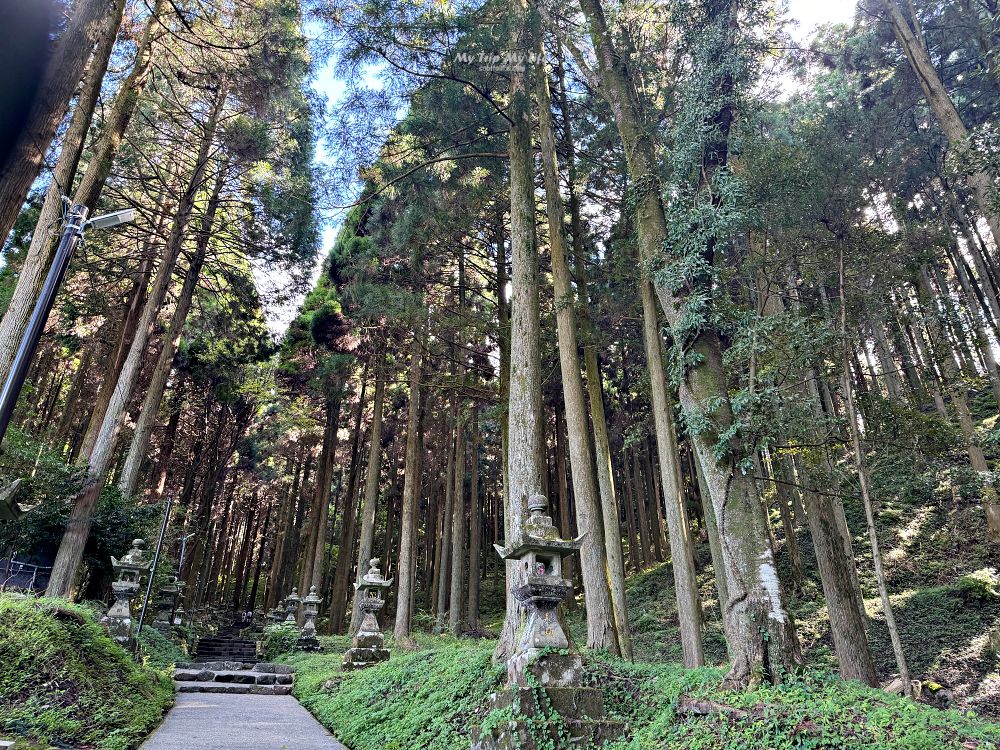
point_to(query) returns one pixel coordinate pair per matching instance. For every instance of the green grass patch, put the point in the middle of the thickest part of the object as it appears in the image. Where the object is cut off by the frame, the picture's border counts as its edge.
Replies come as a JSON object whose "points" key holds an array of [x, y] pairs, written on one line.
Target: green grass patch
{"points": [[813, 710], [65, 683]]}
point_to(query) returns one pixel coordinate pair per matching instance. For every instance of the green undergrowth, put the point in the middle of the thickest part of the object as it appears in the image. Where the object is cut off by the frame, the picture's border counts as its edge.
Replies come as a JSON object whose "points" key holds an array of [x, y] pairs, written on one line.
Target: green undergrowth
{"points": [[65, 683], [812, 710], [426, 698], [434, 696]]}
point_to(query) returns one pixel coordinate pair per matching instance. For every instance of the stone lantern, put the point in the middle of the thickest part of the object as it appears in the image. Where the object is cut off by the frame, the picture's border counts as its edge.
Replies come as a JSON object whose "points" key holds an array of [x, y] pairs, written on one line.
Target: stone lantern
{"points": [[368, 644], [130, 570], [292, 607], [310, 610], [545, 658], [539, 552], [277, 614], [167, 597]]}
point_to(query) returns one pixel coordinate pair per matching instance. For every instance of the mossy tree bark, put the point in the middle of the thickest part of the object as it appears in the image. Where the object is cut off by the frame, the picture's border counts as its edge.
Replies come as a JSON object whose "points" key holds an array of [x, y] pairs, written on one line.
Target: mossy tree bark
{"points": [[601, 630], [760, 633], [525, 450]]}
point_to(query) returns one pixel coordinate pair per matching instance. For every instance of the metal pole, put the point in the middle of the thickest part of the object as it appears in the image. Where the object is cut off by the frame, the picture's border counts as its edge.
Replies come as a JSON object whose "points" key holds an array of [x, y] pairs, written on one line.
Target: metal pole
{"points": [[152, 571], [71, 237]]}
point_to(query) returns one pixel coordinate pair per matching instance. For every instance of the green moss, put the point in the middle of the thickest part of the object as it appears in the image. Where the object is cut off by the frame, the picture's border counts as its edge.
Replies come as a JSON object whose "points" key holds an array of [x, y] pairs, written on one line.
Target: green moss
{"points": [[159, 652], [64, 682]]}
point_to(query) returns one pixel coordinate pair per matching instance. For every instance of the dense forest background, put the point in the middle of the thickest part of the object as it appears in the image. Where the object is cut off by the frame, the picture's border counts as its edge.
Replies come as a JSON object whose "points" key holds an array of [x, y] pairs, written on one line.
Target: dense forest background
{"points": [[731, 303]]}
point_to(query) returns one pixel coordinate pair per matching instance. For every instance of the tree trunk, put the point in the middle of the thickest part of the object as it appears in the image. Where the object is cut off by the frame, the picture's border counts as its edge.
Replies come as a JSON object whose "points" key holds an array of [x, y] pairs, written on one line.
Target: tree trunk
{"points": [[369, 505], [408, 513], [712, 529], [319, 518], [601, 629], [286, 521], [940, 103], [525, 450], [442, 569], [457, 528], [74, 539], [759, 631], [48, 227], [339, 598], [475, 526], [859, 465], [641, 504], [953, 381], [129, 477], [610, 510], [681, 549], [63, 71]]}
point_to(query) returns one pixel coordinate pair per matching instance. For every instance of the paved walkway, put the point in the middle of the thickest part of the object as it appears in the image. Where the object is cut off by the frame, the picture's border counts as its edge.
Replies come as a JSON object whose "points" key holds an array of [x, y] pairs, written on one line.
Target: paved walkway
{"points": [[212, 721]]}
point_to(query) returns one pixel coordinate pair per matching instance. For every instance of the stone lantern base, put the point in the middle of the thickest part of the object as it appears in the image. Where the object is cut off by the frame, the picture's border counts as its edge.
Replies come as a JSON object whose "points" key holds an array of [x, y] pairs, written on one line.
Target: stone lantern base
{"points": [[545, 691], [367, 649], [308, 642], [545, 715]]}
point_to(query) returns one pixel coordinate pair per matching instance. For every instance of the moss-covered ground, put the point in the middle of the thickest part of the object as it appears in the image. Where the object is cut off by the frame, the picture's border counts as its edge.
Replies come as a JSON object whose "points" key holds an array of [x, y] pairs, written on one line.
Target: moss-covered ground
{"points": [[433, 696], [65, 684]]}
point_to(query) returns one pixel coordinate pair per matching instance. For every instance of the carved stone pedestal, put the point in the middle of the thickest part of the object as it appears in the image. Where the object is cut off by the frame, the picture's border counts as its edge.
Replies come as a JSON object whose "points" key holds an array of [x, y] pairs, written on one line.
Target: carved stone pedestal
{"points": [[566, 717], [368, 646]]}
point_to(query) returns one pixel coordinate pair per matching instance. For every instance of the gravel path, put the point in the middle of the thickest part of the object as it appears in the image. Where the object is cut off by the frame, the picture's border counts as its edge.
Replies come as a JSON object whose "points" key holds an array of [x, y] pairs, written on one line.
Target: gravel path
{"points": [[207, 721]]}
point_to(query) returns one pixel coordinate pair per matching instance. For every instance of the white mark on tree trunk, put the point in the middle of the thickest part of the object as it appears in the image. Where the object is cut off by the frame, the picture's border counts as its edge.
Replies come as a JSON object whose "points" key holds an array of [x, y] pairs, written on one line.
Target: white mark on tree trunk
{"points": [[769, 580]]}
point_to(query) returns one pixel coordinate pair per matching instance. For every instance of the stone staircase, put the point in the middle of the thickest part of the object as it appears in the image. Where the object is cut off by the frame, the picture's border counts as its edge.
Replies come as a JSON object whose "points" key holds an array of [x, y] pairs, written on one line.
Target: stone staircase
{"points": [[234, 677], [225, 647]]}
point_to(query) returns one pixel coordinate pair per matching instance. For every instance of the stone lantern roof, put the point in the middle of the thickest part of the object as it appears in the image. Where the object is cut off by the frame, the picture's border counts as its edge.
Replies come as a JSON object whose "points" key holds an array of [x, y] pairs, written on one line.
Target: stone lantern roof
{"points": [[373, 579], [538, 534]]}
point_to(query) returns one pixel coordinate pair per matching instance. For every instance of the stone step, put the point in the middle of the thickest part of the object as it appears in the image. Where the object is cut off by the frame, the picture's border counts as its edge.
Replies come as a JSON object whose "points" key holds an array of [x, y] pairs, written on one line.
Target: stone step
{"points": [[227, 665], [239, 677], [232, 688]]}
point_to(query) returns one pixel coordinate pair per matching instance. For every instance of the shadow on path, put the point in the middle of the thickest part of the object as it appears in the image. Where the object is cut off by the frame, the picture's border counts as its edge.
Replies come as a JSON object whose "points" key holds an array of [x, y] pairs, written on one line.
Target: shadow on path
{"points": [[208, 721]]}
